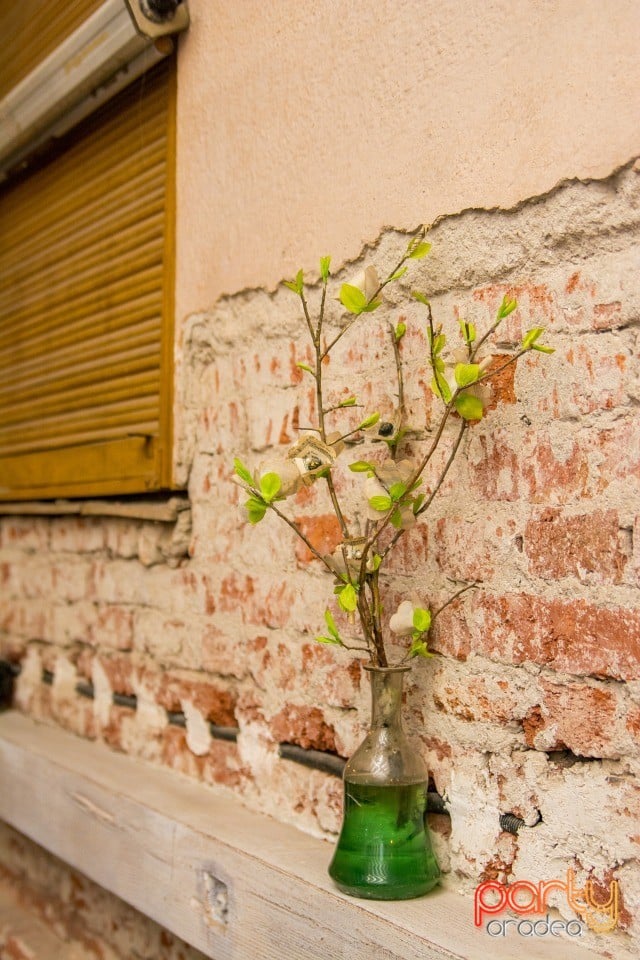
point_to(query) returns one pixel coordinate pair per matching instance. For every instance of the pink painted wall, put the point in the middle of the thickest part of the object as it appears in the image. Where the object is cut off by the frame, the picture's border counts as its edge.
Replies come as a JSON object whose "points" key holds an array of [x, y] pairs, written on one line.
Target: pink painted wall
{"points": [[304, 128]]}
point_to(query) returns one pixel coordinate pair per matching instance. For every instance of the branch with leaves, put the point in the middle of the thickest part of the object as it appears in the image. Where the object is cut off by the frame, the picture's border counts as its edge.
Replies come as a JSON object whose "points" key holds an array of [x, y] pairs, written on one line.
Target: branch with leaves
{"points": [[392, 488]]}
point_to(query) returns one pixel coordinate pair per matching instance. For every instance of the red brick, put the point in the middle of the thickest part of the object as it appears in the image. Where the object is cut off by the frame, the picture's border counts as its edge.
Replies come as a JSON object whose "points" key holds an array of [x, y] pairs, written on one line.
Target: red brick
{"points": [[26, 533], [502, 385], [633, 723], [221, 765], [586, 546], [495, 467], [121, 673], [536, 307], [235, 591], [590, 377], [574, 636], [577, 717], [481, 699], [549, 478], [78, 534], [452, 633], [112, 732], [214, 702], [113, 628], [271, 606], [323, 532], [618, 452], [223, 653], [411, 552], [473, 549], [304, 726]]}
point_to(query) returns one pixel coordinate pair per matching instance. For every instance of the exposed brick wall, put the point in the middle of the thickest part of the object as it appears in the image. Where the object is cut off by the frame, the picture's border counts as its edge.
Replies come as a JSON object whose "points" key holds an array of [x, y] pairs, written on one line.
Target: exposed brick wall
{"points": [[533, 706]]}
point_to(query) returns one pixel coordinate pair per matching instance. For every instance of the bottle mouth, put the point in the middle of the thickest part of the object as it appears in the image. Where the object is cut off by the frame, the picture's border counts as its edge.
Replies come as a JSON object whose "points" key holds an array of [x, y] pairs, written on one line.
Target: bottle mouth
{"points": [[398, 668]]}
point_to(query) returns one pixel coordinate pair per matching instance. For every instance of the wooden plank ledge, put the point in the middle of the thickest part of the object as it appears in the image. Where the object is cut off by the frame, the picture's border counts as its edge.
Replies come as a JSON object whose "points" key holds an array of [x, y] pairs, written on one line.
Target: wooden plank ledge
{"points": [[234, 884], [163, 510]]}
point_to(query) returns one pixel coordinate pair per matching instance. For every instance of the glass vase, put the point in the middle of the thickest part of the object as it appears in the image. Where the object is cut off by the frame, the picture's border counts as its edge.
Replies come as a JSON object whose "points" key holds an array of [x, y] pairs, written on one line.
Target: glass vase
{"points": [[384, 849]]}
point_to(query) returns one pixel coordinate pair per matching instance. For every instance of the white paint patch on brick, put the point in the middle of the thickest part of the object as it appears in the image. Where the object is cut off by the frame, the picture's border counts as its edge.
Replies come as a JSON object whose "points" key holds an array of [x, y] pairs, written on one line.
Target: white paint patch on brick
{"points": [[102, 693], [198, 733]]}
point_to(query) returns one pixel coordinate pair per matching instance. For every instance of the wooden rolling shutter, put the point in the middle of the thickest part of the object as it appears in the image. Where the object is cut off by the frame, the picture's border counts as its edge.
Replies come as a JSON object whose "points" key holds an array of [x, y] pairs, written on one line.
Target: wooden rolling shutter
{"points": [[85, 306]]}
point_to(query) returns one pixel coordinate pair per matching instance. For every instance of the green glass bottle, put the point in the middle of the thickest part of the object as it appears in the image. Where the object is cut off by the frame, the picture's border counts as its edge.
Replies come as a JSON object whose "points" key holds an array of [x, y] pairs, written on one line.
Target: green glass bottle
{"points": [[384, 850]]}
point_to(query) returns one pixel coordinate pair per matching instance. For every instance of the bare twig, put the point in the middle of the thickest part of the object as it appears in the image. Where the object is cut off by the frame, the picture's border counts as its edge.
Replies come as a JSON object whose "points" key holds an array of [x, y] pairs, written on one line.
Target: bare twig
{"points": [[300, 534], [453, 598]]}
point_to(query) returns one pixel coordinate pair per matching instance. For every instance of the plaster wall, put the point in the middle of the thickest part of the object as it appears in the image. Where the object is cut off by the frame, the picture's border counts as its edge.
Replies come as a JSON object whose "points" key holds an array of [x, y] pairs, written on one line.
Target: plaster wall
{"points": [[305, 128]]}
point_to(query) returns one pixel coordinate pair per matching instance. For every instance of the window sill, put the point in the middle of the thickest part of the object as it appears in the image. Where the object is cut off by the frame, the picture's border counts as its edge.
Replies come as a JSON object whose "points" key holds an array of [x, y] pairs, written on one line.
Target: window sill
{"points": [[163, 510], [230, 882]]}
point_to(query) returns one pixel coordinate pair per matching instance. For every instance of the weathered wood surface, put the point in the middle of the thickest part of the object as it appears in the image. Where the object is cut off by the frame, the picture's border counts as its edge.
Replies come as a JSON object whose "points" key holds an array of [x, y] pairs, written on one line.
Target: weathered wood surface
{"points": [[165, 511], [234, 884]]}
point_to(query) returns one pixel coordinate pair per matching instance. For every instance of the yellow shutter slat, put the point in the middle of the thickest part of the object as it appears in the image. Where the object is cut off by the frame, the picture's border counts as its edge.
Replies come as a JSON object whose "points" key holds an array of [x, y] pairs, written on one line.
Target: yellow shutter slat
{"points": [[31, 409], [83, 305], [109, 352], [76, 328], [120, 293], [114, 419], [91, 271], [114, 199], [74, 193]]}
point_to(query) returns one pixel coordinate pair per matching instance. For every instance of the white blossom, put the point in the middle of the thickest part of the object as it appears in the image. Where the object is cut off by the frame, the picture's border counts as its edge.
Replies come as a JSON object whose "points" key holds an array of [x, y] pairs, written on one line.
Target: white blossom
{"points": [[367, 281], [290, 476], [401, 623]]}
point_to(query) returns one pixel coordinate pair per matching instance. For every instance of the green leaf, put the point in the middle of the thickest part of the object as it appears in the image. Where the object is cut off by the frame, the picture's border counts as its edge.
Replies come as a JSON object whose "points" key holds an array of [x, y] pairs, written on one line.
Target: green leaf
{"points": [[380, 503], [421, 619], [420, 297], [437, 341], [542, 349], [331, 624], [419, 649], [297, 284], [417, 503], [242, 472], [469, 407], [369, 421], [352, 298], [400, 331], [376, 561], [440, 387], [397, 274], [361, 466], [466, 373], [371, 306], [506, 307], [256, 509], [349, 402], [397, 491], [334, 641], [531, 336], [305, 366], [396, 519], [468, 331], [417, 251], [270, 484], [348, 598], [325, 263]]}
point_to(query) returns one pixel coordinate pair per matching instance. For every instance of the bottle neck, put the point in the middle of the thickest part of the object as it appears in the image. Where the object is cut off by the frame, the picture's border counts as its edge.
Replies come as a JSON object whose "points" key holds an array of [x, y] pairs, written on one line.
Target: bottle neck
{"points": [[386, 696]]}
